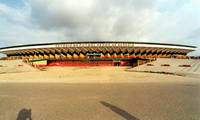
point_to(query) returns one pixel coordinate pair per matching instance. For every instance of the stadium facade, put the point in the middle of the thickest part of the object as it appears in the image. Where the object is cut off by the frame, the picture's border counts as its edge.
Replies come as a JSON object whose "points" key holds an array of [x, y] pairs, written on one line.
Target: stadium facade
{"points": [[95, 53]]}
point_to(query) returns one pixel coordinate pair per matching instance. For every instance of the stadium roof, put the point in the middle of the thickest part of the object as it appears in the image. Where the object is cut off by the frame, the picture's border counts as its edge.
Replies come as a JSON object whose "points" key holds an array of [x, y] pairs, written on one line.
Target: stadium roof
{"points": [[98, 44], [56, 43]]}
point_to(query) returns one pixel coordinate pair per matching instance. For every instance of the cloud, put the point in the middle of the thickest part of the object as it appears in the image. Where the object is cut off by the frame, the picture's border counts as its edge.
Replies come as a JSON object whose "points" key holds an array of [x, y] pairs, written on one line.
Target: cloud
{"points": [[169, 21], [14, 15], [94, 20]]}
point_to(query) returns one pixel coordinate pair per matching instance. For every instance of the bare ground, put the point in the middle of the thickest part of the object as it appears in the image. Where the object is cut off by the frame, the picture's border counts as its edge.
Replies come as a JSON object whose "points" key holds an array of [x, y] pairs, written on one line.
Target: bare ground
{"points": [[108, 93]]}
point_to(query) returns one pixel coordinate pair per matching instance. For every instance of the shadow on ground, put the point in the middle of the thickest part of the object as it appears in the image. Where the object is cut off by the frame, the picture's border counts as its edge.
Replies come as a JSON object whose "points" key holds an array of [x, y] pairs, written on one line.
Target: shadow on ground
{"points": [[119, 111], [24, 114]]}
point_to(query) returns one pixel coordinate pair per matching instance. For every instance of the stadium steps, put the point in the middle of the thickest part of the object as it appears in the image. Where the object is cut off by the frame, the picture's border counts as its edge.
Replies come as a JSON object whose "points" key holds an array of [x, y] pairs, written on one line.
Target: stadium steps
{"points": [[174, 66], [193, 66], [197, 69], [14, 66], [189, 69]]}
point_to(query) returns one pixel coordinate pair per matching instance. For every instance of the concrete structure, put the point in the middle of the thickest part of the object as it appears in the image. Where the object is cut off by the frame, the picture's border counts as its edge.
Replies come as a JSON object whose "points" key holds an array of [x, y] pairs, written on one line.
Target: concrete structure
{"points": [[172, 66], [15, 66], [94, 53]]}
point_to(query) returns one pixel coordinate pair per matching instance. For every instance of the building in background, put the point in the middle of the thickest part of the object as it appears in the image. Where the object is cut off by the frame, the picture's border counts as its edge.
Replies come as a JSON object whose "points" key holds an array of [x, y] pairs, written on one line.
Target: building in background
{"points": [[95, 53]]}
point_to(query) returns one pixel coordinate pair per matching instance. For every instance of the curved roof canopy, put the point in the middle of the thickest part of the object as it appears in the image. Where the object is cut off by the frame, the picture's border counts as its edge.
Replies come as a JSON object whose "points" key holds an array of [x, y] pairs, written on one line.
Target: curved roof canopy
{"points": [[129, 46]]}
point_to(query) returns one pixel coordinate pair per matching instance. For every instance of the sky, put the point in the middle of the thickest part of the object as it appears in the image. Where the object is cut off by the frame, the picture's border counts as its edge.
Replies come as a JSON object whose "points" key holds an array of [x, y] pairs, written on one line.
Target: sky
{"points": [[41, 21]]}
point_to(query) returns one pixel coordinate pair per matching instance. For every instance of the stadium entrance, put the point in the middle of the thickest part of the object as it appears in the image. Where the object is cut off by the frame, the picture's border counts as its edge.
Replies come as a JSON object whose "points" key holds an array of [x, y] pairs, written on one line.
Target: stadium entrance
{"points": [[92, 61], [93, 55]]}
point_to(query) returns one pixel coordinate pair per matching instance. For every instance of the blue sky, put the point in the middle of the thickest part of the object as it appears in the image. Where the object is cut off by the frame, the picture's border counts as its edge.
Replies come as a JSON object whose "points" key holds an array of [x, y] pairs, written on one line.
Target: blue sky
{"points": [[40, 21], [13, 3]]}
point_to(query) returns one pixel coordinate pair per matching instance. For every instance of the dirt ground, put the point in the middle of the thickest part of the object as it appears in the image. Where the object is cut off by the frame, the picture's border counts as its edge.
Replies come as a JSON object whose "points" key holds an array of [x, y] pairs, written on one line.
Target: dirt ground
{"points": [[109, 93]]}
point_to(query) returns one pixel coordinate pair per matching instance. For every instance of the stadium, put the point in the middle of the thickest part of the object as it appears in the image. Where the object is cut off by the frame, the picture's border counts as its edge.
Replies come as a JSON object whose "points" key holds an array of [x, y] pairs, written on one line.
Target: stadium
{"points": [[95, 53]]}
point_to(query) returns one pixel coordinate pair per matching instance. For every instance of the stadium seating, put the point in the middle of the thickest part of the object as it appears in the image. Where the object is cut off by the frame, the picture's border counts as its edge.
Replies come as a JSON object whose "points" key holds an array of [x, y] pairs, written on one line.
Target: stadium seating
{"points": [[10, 66], [171, 66]]}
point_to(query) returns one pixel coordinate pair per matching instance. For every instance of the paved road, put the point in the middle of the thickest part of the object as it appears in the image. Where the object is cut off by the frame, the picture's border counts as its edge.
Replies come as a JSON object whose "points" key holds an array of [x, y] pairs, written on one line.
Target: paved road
{"points": [[133, 101]]}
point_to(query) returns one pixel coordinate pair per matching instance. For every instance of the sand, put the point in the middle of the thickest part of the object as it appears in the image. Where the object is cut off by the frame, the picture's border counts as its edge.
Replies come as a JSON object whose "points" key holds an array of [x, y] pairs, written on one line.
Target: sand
{"points": [[98, 93], [90, 75]]}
